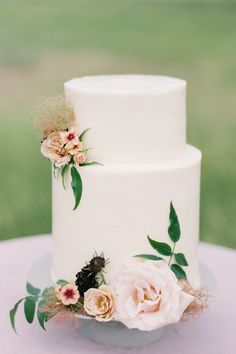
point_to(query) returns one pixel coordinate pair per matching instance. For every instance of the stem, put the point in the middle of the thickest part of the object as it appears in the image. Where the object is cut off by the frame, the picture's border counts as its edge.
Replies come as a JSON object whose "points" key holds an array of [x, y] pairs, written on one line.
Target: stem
{"points": [[103, 278], [173, 250]]}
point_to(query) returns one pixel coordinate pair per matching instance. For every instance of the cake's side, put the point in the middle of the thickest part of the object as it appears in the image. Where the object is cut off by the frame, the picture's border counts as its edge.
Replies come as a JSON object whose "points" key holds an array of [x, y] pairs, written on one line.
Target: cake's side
{"points": [[132, 118], [120, 207]]}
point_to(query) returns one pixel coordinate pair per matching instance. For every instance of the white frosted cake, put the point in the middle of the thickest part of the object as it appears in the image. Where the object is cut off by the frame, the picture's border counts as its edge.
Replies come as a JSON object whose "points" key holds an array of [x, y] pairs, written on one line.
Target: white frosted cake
{"points": [[138, 133], [125, 209]]}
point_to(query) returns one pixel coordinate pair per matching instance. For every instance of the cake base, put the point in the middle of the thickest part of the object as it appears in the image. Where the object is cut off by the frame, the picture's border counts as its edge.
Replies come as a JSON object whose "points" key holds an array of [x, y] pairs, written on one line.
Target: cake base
{"points": [[116, 334], [110, 333]]}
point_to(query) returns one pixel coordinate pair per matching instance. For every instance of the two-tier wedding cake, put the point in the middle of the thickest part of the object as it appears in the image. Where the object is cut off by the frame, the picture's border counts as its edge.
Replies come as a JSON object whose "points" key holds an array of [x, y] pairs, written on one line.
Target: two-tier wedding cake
{"points": [[125, 205], [138, 133]]}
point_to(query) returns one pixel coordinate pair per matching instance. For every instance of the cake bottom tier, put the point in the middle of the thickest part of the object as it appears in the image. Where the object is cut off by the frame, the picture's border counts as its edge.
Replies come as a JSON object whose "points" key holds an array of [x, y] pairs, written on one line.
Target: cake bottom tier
{"points": [[120, 206]]}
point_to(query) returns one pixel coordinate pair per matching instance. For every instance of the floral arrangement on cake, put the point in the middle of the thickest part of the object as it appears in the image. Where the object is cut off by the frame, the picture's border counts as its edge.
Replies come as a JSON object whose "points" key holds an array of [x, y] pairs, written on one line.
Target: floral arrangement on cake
{"points": [[149, 292], [61, 142]]}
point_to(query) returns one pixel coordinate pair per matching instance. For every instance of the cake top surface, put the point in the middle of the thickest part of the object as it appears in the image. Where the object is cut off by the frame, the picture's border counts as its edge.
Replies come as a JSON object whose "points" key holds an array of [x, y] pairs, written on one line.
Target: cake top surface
{"points": [[125, 84]]}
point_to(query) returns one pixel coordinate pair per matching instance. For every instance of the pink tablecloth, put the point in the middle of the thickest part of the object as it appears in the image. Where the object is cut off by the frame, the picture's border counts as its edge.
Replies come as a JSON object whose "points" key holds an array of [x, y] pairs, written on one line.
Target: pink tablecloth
{"points": [[212, 333]]}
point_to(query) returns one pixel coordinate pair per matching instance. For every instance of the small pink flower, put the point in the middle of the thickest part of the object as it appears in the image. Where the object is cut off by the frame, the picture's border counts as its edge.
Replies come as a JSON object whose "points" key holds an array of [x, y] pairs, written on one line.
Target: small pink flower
{"points": [[71, 141], [68, 294], [70, 137]]}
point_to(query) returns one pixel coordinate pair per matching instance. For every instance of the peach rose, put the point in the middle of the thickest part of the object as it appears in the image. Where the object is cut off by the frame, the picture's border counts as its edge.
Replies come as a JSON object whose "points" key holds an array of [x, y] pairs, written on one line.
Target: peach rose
{"points": [[67, 294], [52, 148], [79, 158], [148, 295], [99, 303]]}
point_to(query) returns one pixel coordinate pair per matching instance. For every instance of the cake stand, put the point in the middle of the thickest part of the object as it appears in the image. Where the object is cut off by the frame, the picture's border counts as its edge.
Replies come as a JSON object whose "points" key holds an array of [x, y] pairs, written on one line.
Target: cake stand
{"points": [[111, 333]]}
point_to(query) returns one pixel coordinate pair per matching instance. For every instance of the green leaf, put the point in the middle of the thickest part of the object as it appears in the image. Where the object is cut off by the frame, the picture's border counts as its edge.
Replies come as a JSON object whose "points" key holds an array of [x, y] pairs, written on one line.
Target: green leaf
{"points": [[82, 135], [42, 316], [63, 174], [62, 282], [29, 308], [180, 259], [161, 247], [149, 256], [91, 163], [12, 313], [32, 290], [179, 272], [76, 185], [174, 228]]}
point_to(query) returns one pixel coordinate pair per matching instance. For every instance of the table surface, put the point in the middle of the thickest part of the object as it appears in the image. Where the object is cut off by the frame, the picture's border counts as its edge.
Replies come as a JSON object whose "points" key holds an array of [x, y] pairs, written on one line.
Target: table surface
{"points": [[212, 333]]}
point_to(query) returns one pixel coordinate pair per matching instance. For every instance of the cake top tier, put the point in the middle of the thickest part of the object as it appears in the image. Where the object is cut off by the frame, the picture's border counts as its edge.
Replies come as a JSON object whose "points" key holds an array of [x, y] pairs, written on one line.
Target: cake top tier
{"points": [[132, 118], [126, 84]]}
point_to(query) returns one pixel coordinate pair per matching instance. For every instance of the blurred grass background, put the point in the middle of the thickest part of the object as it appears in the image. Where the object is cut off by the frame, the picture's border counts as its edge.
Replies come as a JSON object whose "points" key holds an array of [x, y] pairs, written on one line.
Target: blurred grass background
{"points": [[43, 44]]}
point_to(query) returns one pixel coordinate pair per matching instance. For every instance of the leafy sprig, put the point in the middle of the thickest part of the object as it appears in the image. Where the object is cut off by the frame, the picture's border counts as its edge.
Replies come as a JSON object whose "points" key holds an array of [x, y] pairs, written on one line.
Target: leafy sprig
{"points": [[32, 301], [38, 302], [165, 249], [35, 302], [76, 180]]}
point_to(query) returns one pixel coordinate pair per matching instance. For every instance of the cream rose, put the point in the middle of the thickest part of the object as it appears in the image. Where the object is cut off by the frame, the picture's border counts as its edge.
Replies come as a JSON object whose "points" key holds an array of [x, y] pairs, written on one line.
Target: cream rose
{"points": [[99, 303], [147, 295], [79, 158], [52, 148]]}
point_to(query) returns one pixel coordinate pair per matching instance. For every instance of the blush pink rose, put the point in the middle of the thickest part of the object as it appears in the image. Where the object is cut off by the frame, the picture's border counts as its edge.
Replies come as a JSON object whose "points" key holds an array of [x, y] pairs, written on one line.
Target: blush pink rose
{"points": [[147, 295]]}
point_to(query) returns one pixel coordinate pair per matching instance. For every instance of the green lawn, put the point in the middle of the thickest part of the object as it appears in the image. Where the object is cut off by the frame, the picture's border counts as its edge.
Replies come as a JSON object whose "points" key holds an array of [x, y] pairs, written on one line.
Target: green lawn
{"points": [[43, 44]]}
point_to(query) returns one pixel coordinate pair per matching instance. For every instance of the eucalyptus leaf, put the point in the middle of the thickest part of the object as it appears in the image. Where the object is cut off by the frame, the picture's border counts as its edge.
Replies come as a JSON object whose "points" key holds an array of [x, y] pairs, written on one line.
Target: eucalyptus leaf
{"points": [[76, 184], [179, 272], [180, 259], [63, 174], [90, 163], [149, 256], [12, 313], [82, 135], [42, 316], [29, 308], [32, 290], [161, 247], [174, 228]]}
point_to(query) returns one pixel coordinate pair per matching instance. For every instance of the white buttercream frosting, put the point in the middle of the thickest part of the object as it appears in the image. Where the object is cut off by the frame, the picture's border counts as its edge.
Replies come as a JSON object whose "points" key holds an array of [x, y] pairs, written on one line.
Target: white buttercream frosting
{"points": [[133, 118]]}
